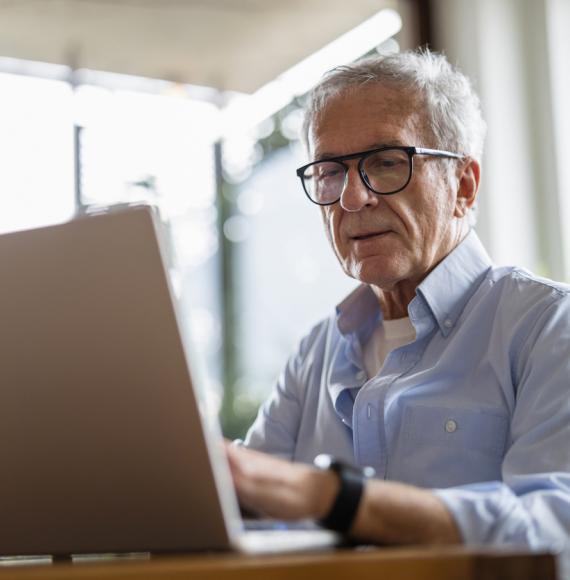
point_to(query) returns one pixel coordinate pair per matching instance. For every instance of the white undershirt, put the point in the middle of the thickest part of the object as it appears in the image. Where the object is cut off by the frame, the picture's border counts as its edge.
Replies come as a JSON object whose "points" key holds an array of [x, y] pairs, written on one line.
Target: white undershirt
{"points": [[389, 335]]}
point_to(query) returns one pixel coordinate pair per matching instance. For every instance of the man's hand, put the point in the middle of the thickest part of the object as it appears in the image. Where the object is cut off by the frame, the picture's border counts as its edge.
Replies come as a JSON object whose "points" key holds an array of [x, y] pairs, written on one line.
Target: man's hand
{"points": [[389, 512], [279, 489]]}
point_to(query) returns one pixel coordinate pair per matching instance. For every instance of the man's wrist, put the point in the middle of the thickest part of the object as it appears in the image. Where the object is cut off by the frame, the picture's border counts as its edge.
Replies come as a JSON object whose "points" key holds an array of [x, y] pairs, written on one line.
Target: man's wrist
{"points": [[340, 514], [325, 485]]}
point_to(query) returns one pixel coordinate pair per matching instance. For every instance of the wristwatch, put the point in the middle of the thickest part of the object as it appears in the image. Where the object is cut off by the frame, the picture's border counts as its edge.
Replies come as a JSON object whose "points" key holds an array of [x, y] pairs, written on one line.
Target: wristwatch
{"points": [[352, 480]]}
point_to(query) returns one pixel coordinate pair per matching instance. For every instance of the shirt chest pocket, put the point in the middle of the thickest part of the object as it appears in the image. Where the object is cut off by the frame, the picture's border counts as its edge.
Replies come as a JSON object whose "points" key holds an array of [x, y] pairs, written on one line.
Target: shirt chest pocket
{"points": [[442, 447]]}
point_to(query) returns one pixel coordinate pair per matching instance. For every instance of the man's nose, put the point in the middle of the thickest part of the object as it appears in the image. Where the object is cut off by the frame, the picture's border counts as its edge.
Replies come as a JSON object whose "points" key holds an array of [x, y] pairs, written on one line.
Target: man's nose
{"points": [[356, 195]]}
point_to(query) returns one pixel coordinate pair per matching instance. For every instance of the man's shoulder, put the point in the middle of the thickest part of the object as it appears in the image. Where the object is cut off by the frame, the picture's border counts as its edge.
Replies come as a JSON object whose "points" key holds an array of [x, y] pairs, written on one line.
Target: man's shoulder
{"points": [[521, 292], [522, 280]]}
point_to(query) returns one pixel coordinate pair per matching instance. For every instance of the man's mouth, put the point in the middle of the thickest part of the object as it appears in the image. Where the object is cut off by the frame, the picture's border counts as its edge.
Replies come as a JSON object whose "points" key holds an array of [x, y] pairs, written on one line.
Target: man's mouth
{"points": [[370, 235]]}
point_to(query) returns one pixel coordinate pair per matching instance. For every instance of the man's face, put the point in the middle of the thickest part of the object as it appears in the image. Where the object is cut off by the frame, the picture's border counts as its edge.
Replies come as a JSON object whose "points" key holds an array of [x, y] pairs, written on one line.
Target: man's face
{"points": [[391, 240]]}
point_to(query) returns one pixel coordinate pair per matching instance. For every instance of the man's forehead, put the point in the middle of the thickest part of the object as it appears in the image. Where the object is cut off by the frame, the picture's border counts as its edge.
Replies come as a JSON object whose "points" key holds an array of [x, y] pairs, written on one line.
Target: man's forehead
{"points": [[365, 118]]}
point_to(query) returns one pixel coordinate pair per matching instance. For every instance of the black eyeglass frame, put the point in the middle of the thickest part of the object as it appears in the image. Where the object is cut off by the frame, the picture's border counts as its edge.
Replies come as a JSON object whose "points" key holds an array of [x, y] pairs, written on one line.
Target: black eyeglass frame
{"points": [[363, 155]]}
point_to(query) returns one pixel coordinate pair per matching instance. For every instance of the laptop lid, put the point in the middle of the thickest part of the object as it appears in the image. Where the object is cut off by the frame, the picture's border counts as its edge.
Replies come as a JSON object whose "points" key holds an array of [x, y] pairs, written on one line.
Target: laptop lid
{"points": [[102, 443]]}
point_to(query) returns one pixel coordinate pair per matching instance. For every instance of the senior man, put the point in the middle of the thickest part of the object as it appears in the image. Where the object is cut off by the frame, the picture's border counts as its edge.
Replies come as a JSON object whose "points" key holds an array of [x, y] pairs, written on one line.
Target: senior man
{"points": [[447, 375]]}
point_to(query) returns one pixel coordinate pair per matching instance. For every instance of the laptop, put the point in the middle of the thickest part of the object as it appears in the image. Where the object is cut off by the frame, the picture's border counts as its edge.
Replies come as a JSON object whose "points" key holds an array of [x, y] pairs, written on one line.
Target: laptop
{"points": [[105, 443]]}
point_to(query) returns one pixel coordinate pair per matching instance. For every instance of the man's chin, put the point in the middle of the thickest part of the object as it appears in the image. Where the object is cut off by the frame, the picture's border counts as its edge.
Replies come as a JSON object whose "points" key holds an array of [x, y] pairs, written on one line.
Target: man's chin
{"points": [[382, 277]]}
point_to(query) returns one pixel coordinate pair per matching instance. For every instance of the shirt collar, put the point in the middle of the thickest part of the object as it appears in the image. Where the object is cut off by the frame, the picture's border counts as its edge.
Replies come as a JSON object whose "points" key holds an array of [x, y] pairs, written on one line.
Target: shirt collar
{"points": [[446, 290], [450, 285], [358, 310]]}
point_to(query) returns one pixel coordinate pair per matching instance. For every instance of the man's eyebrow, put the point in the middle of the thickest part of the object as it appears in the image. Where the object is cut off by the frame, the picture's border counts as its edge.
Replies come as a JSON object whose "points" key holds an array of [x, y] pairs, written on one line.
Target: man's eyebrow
{"points": [[323, 156]]}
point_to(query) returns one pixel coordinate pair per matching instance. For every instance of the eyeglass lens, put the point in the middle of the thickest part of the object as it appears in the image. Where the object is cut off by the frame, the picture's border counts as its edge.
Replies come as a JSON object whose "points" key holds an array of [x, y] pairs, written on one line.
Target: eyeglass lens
{"points": [[384, 172]]}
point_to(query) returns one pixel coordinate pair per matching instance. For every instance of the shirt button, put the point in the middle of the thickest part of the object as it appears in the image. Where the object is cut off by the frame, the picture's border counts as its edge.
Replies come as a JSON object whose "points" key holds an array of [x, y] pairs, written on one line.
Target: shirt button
{"points": [[450, 426], [448, 323]]}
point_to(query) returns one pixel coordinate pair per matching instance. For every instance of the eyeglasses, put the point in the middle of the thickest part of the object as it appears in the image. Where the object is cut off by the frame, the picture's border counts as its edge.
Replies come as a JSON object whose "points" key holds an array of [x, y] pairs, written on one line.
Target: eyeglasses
{"points": [[386, 170]]}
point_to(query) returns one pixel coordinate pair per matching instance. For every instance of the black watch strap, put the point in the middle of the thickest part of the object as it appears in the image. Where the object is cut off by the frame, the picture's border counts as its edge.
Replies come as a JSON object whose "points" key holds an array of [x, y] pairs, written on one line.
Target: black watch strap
{"points": [[351, 479]]}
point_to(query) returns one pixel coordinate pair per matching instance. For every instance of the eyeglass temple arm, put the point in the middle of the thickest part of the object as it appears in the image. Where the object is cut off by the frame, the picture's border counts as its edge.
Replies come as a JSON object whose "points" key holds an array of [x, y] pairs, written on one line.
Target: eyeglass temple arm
{"points": [[437, 153]]}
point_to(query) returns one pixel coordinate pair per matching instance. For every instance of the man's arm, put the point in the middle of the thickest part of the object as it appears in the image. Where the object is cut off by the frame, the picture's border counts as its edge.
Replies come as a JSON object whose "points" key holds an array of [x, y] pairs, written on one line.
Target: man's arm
{"points": [[276, 427], [389, 513]]}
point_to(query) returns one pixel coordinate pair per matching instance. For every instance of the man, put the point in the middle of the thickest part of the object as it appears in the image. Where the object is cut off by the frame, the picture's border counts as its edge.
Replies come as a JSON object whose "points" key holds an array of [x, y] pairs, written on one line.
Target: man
{"points": [[447, 375]]}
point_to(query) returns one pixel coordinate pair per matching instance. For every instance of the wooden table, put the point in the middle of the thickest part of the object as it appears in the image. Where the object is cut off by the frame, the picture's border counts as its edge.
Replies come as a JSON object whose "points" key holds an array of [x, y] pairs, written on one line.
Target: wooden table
{"points": [[357, 564]]}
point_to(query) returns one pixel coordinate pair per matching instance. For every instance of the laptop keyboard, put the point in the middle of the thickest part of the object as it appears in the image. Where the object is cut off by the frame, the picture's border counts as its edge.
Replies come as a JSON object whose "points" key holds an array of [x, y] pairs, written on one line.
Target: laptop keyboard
{"points": [[279, 525]]}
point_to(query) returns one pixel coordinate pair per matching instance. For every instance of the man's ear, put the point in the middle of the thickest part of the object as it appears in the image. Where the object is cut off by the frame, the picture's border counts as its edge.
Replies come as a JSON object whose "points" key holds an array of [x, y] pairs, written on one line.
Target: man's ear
{"points": [[467, 187]]}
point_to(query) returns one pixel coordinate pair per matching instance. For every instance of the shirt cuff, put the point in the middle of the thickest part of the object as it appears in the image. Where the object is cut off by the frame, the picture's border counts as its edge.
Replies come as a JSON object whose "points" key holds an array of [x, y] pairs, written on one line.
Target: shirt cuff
{"points": [[489, 513]]}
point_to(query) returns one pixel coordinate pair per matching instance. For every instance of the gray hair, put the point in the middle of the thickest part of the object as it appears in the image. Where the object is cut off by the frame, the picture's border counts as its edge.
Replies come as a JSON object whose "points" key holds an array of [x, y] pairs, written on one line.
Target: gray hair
{"points": [[452, 107]]}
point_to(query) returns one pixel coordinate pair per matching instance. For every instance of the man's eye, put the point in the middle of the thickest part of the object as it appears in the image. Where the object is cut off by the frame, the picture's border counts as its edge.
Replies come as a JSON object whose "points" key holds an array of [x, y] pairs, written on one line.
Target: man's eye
{"points": [[386, 163], [329, 173], [381, 164]]}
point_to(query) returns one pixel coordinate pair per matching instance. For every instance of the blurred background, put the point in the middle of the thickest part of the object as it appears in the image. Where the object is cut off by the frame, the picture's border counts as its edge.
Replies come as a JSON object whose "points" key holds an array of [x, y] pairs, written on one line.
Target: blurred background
{"points": [[195, 105]]}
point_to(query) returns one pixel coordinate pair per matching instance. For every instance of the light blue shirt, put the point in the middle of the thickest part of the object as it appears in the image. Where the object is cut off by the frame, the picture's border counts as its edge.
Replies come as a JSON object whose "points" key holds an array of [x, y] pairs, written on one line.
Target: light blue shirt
{"points": [[477, 407]]}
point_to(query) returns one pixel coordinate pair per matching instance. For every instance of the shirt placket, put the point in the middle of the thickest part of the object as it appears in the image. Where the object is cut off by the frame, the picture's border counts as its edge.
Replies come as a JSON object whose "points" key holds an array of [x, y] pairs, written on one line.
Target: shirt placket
{"points": [[369, 411]]}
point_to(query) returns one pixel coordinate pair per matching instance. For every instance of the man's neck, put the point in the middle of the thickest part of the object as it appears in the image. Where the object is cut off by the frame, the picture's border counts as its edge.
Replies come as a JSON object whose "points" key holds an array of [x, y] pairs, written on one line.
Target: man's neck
{"points": [[394, 303]]}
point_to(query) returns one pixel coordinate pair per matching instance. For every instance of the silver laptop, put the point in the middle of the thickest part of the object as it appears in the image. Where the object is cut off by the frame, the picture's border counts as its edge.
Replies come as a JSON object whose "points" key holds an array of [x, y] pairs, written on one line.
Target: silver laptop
{"points": [[104, 444]]}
